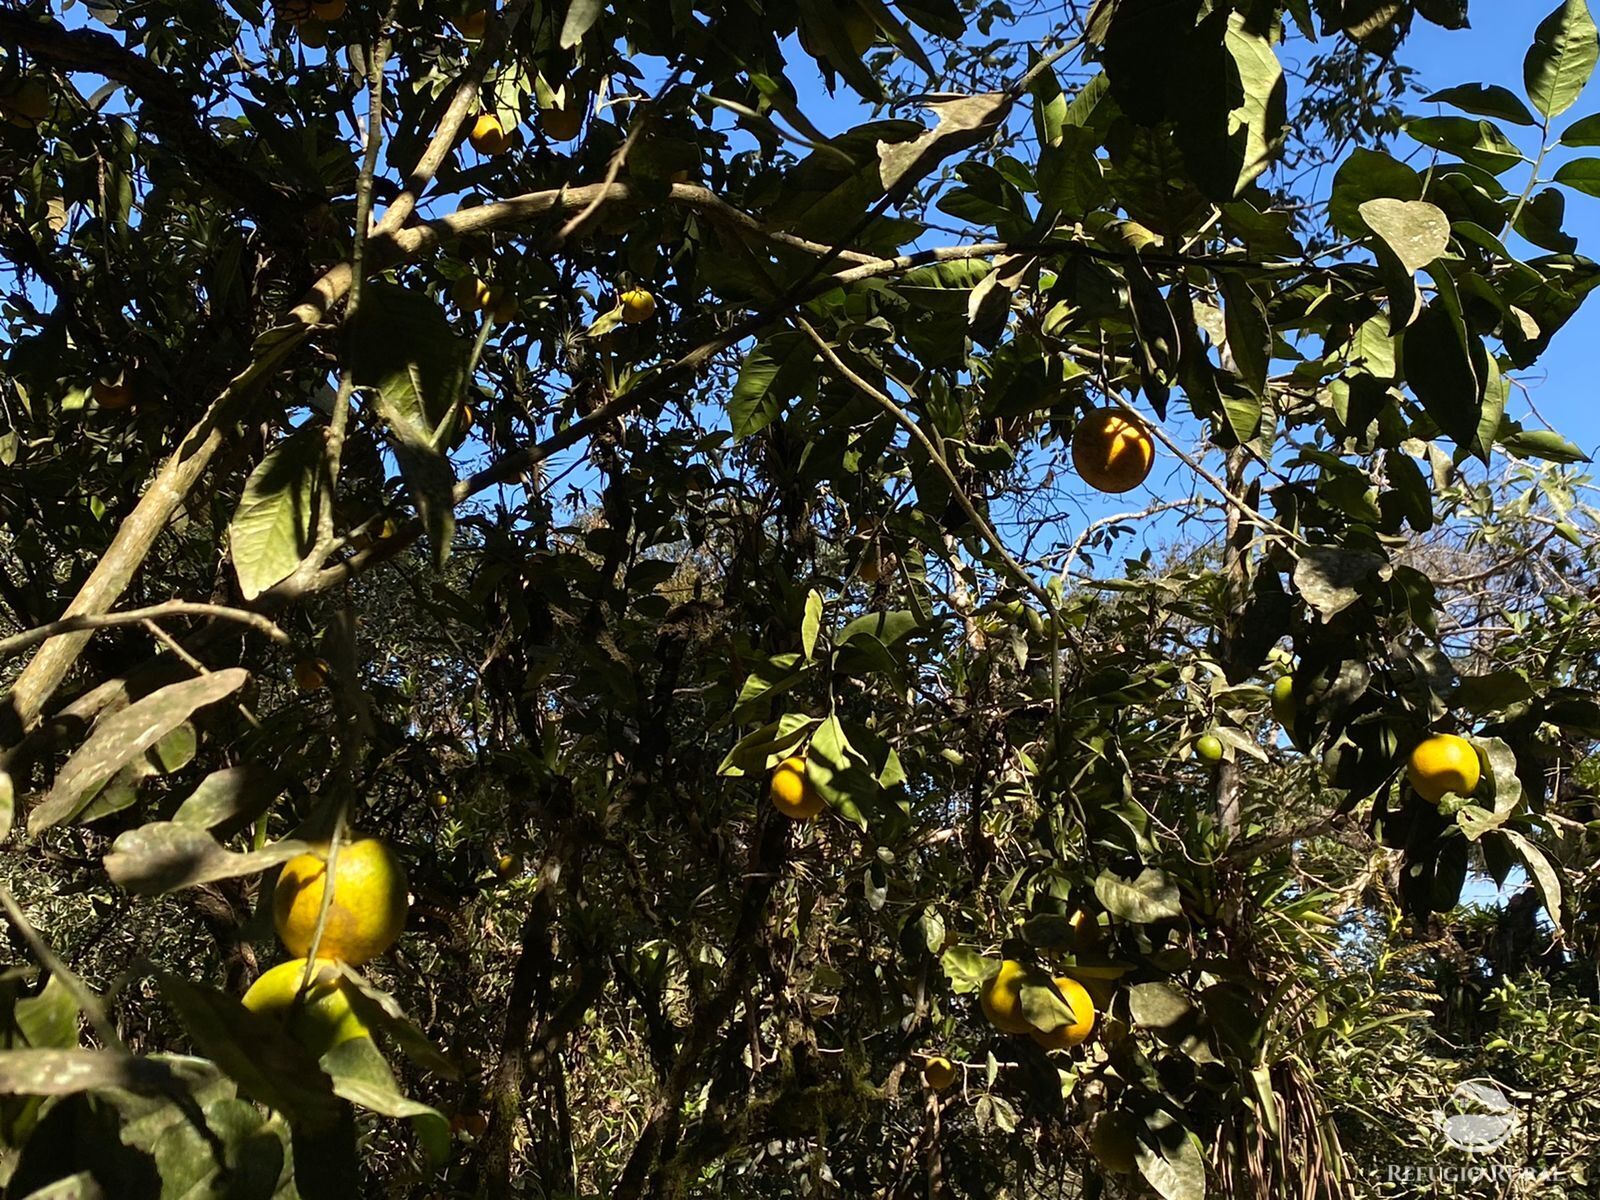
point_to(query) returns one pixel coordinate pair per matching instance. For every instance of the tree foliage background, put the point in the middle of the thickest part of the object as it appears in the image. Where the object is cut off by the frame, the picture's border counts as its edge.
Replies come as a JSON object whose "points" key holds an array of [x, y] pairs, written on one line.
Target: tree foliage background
{"points": [[580, 582]]}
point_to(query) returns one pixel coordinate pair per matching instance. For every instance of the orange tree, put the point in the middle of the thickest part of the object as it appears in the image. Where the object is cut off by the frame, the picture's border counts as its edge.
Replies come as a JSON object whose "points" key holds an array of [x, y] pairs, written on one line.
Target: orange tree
{"points": [[536, 440]]}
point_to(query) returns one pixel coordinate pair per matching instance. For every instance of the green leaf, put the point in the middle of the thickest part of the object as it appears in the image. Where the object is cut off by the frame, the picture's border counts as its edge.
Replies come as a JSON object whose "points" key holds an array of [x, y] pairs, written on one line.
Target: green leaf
{"points": [[1476, 142], [1581, 175], [33, 1072], [753, 752], [1158, 1006], [581, 16], [1439, 369], [1561, 59], [80, 1186], [125, 734], [48, 1021], [361, 1076], [1543, 443], [1174, 1164], [273, 528], [1043, 1007], [811, 624], [228, 799], [776, 371], [1541, 219], [1485, 100], [839, 772], [1417, 232], [1544, 872], [381, 1012], [1071, 179], [175, 750], [1585, 131], [965, 968], [1258, 124], [164, 856], [1149, 898], [255, 1155], [1249, 342], [1367, 175], [406, 354], [887, 627], [1331, 578]]}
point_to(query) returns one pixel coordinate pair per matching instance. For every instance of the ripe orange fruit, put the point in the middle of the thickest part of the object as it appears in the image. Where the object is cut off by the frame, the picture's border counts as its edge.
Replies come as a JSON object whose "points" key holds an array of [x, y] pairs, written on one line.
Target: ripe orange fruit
{"points": [[488, 136], [638, 306], [1000, 997], [472, 23], [792, 793], [1444, 764], [1112, 451], [311, 674], [368, 910], [1082, 1005], [1114, 1142], [938, 1073], [563, 123], [112, 397], [318, 1018]]}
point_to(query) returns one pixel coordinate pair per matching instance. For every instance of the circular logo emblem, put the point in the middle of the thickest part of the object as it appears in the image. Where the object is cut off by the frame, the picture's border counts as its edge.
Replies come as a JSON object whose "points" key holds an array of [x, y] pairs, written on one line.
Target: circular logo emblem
{"points": [[1480, 1119]]}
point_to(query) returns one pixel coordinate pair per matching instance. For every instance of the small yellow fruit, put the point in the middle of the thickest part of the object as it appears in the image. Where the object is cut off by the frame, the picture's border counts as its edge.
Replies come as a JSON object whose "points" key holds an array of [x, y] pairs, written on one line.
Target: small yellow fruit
{"points": [[318, 1018], [368, 910], [439, 800], [1444, 764], [638, 306], [472, 23], [311, 674], [1000, 997], [112, 397], [473, 294], [505, 306], [1283, 701], [1112, 451], [488, 136], [508, 865], [562, 124], [327, 10], [1082, 1005], [1209, 748], [792, 793], [1114, 1142], [938, 1073]]}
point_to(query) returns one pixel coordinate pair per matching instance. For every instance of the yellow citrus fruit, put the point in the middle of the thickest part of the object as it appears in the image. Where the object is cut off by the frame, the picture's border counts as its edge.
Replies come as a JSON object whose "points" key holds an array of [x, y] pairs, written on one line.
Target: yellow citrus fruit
{"points": [[318, 1018], [1283, 701], [1082, 1005], [368, 909], [638, 305], [562, 124], [27, 103], [311, 674], [472, 23], [938, 1073], [508, 865], [792, 793], [113, 397], [327, 10], [1085, 930], [472, 293], [1112, 451], [439, 800], [488, 136], [1209, 748], [1000, 997], [1442, 764], [1114, 1142], [505, 306]]}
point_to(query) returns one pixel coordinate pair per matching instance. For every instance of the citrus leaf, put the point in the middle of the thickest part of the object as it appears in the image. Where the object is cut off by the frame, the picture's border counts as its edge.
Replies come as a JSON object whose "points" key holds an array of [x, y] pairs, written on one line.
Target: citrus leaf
{"points": [[1485, 100], [1561, 59], [118, 738], [228, 799], [780, 369], [1417, 232], [273, 527], [164, 856], [380, 1011], [1147, 899], [361, 1076]]}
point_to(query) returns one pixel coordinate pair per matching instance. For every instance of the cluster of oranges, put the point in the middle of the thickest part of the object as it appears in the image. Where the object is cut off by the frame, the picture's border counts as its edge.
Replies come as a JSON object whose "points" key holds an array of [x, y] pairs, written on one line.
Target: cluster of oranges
{"points": [[311, 999], [310, 19]]}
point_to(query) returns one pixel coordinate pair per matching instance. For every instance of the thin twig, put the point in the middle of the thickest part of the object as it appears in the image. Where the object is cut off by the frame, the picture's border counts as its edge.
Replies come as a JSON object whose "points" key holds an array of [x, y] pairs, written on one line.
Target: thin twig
{"points": [[17, 643]]}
